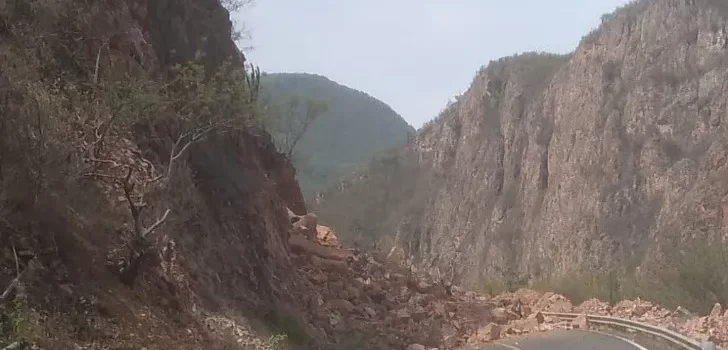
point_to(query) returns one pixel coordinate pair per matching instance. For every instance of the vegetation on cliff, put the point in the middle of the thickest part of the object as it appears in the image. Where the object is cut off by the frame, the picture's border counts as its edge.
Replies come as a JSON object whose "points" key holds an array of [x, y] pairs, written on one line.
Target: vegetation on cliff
{"points": [[335, 127]]}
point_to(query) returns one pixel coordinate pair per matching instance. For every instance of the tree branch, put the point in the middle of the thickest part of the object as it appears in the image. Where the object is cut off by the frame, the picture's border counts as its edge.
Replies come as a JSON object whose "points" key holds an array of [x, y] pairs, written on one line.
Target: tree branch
{"points": [[102, 176], [14, 283], [156, 224], [96, 70], [98, 59], [17, 264], [135, 209], [101, 135], [196, 135], [149, 164], [104, 161]]}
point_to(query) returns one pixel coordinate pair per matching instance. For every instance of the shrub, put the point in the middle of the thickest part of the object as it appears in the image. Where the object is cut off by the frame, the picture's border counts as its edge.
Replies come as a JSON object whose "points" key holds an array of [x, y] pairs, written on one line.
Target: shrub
{"points": [[693, 275], [16, 323]]}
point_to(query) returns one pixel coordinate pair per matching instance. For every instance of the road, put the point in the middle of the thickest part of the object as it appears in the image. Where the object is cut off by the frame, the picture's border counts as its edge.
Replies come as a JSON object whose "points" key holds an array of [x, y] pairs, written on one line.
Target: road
{"points": [[564, 340]]}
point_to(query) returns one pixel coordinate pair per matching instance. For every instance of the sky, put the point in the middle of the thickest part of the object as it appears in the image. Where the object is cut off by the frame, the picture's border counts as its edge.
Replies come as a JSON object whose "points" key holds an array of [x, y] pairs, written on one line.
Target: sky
{"points": [[414, 55]]}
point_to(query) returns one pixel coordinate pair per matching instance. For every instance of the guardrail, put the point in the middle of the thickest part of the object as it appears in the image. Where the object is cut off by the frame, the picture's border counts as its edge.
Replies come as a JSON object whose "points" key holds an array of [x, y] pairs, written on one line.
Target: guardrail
{"points": [[672, 337]]}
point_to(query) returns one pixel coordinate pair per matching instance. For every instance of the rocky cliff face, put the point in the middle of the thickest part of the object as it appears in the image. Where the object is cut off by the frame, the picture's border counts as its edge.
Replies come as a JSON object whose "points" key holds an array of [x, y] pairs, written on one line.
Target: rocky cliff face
{"points": [[548, 165]]}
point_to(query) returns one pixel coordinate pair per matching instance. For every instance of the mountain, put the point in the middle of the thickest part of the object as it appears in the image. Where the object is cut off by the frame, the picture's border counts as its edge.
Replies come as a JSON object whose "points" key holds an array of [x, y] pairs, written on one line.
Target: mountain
{"points": [[143, 206], [354, 127], [599, 172]]}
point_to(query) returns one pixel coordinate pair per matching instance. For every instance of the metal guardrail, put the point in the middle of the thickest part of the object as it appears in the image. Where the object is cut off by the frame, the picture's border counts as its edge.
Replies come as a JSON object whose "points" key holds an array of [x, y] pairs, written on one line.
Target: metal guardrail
{"points": [[674, 338]]}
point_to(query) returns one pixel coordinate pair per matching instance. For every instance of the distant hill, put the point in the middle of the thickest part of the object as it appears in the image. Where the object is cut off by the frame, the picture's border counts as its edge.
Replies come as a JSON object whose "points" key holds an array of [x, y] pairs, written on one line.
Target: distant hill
{"points": [[355, 127]]}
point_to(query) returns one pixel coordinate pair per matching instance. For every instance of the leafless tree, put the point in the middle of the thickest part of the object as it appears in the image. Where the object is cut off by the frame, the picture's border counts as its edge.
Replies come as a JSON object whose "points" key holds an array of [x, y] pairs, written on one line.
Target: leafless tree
{"points": [[294, 119]]}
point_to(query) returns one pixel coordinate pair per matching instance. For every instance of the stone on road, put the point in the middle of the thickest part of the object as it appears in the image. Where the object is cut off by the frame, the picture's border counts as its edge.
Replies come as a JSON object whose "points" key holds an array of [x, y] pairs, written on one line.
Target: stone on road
{"points": [[561, 340]]}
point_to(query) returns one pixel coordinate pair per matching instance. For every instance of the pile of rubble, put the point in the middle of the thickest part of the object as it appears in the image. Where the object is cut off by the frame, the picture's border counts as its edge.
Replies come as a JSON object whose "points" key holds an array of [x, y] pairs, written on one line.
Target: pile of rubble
{"points": [[713, 327], [351, 291]]}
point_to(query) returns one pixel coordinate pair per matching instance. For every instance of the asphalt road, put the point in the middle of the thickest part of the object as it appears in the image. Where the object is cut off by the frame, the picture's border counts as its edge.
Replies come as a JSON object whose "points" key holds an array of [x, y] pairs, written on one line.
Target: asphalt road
{"points": [[564, 340]]}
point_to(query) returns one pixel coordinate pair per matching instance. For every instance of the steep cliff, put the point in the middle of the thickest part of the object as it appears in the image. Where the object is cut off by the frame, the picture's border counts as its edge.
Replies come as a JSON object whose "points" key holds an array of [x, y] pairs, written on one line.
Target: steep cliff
{"points": [[609, 159], [112, 234]]}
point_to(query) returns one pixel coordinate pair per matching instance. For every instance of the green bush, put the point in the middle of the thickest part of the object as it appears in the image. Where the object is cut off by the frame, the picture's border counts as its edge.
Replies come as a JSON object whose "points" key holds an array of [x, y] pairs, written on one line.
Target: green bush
{"points": [[286, 324], [16, 323], [695, 276], [278, 341]]}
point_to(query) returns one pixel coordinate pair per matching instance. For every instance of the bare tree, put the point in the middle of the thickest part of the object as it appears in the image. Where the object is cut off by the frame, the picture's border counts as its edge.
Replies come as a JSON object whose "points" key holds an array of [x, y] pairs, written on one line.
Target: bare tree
{"points": [[240, 32], [294, 119], [200, 103]]}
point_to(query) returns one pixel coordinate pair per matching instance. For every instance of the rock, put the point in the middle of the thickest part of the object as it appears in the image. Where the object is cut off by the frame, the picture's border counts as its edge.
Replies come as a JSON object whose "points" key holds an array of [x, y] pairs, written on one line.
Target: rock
{"points": [[640, 310], [419, 313], [594, 307], [326, 236], [416, 347], [319, 278], [439, 308], [363, 282], [403, 314], [539, 317], [681, 312], [489, 332], [306, 226], [528, 325], [716, 311], [342, 305], [378, 295], [527, 297], [499, 315], [514, 331], [370, 311], [580, 322], [353, 293], [524, 311], [292, 216], [562, 306], [334, 319]]}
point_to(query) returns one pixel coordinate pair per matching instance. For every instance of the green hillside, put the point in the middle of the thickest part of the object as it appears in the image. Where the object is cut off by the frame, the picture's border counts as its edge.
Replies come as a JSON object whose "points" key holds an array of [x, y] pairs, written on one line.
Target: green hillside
{"points": [[350, 128]]}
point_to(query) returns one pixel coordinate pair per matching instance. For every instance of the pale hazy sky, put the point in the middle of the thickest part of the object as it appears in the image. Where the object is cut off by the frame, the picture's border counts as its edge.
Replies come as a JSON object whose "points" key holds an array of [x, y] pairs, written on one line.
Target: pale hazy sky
{"points": [[412, 54]]}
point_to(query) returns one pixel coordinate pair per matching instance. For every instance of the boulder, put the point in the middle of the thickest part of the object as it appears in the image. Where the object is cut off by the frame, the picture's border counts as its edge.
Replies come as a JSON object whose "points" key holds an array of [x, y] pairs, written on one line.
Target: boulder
{"points": [[499, 315], [581, 322], [640, 310], [716, 311], [403, 314], [306, 226], [342, 305], [528, 325], [539, 317], [489, 332], [326, 236]]}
